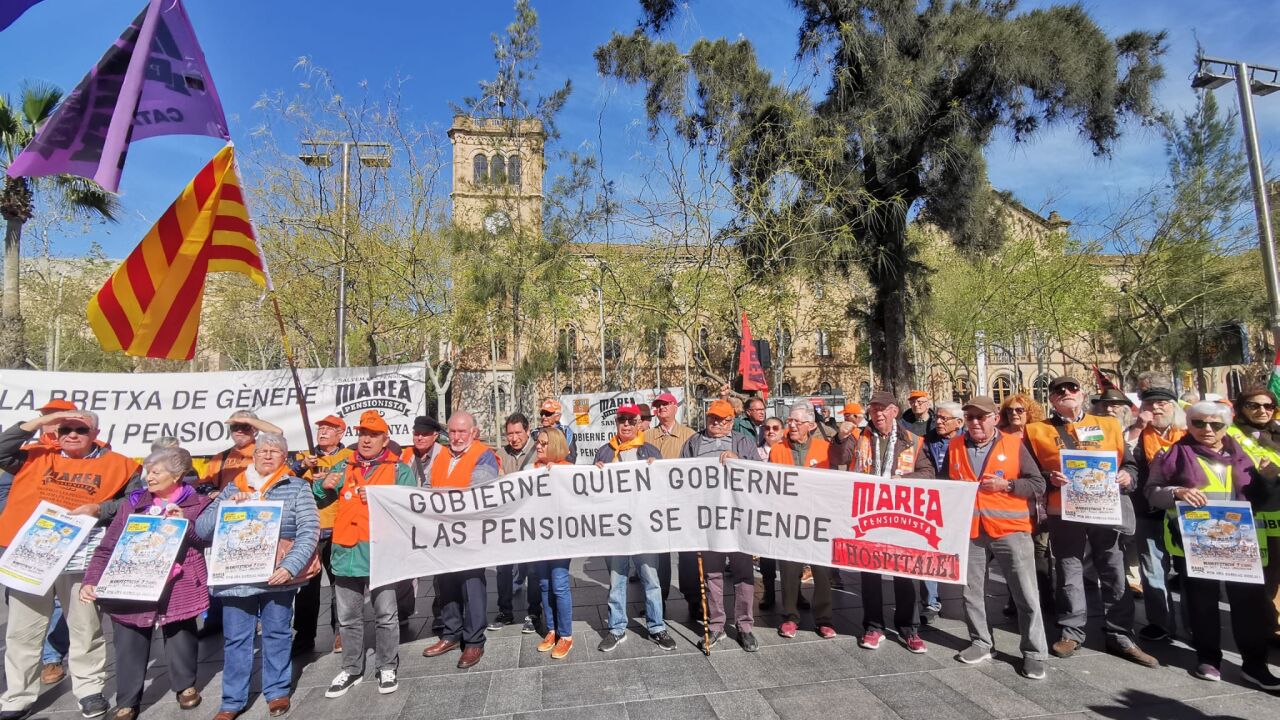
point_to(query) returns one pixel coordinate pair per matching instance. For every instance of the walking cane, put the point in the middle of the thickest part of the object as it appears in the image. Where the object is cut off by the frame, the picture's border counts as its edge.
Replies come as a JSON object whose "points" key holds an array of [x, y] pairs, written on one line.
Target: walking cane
{"points": [[706, 620]]}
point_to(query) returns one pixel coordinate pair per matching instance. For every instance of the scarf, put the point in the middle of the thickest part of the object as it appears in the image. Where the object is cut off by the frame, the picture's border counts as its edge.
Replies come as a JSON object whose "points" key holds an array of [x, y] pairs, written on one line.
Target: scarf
{"points": [[621, 447], [260, 484], [1180, 467], [365, 466], [1153, 444]]}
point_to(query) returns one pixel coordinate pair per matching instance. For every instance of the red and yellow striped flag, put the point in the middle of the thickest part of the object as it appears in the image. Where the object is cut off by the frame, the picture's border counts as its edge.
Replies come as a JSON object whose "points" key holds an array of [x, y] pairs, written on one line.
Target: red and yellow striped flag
{"points": [[150, 306]]}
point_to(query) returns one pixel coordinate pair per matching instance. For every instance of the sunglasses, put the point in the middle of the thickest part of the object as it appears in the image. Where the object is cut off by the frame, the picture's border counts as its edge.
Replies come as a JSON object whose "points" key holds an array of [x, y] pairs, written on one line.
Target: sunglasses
{"points": [[773, 428], [547, 413], [1067, 388], [629, 420], [975, 418], [1016, 411], [240, 427], [66, 430], [1269, 407], [1202, 424]]}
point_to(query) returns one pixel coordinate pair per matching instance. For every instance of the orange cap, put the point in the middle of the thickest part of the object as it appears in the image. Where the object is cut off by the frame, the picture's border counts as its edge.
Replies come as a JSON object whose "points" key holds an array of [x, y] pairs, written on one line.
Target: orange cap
{"points": [[721, 409], [333, 421], [58, 405], [917, 394], [372, 421], [551, 406], [852, 409]]}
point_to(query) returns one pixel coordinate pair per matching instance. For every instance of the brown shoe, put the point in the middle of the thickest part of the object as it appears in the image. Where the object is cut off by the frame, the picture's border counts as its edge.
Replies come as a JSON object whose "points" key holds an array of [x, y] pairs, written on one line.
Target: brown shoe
{"points": [[52, 673], [337, 644], [124, 714], [563, 646], [227, 715], [441, 647], [548, 642], [470, 656], [278, 707], [189, 698], [1133, 654], [1064, 648]]}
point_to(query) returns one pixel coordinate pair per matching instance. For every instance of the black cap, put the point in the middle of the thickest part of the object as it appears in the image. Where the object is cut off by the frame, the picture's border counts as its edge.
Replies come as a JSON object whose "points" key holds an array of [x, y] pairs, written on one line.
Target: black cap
{"points": [[1062, 380], [1158, 393], [646, 413], [427, 424], [1113, 395]]}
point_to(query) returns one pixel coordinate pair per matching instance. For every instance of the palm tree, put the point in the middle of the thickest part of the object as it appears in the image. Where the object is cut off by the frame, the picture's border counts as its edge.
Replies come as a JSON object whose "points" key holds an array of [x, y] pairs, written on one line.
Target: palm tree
{"points": [[74, 195]]}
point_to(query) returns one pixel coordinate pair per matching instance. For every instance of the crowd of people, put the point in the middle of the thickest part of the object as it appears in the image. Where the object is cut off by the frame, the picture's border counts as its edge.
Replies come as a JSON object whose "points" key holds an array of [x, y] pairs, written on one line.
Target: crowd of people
{"points": [[1168, 450]]}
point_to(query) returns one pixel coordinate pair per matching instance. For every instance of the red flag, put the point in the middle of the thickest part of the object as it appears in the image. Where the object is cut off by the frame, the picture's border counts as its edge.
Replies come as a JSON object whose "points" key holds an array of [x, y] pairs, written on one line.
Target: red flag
{"points": [[1102, 381], [749, 363]]}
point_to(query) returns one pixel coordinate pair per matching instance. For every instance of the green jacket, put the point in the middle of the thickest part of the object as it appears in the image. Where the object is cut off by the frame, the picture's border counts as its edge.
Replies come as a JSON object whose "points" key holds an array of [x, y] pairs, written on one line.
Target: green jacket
{"points": [[354, 561]]}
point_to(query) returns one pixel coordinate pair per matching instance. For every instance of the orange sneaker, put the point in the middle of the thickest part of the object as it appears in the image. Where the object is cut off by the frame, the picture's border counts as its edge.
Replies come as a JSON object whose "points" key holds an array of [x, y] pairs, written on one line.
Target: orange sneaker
{"points": [[563, 646], [548, 642]]}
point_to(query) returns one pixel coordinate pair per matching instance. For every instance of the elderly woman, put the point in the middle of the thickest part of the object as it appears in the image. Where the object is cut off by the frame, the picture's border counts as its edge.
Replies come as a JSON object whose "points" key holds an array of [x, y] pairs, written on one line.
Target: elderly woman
{"points": [[269, 603], [771, 433], [1205, 466], [553, 575], [1018, 411], [185, 597]]}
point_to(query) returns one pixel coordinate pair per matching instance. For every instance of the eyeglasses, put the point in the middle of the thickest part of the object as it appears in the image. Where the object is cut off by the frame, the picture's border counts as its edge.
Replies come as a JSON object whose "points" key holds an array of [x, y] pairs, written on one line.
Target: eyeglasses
{"points": [[944, 418], [1269, 407], [548, 413], [1016, 410], [1202, 424], [1065, 388], [241, 427], [541, 444], [773, 428], [66, 430], [713, 420], [269, 451], [975, 418], [424, 433], [629, 420]]}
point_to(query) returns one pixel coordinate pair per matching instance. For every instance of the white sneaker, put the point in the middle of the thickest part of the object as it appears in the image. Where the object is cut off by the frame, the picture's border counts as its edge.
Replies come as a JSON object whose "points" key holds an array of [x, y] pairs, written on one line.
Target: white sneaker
{"points": [[342, 682], [387, 683]]}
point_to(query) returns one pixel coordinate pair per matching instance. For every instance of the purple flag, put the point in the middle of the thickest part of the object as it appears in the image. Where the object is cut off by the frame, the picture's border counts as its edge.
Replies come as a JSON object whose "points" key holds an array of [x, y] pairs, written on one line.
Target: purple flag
{"points": [[129, 96], [11, 10]]}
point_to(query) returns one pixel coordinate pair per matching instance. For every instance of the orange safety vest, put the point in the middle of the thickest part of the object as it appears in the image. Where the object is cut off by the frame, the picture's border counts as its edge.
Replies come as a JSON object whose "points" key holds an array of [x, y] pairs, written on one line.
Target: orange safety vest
{"points": [[1000, 513], [863, 460], [325, 463], [351, 525], [460, 476], [1153, 444], [816, 457], [226, 465], [64, 481], [1046, 443]]}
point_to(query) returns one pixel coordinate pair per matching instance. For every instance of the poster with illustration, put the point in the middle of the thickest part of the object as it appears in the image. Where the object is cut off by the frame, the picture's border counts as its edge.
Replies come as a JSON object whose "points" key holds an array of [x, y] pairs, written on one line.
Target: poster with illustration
{"points": [[42, 547], [244, 542], [1091, 494], [142, 561], [1221, 541]]}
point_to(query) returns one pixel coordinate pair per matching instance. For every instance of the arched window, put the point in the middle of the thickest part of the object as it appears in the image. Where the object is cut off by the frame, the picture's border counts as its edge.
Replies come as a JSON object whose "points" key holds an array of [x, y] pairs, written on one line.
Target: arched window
{"points": [[824, 344], [502, 399], [786, 389], [704, 340], [1040, 389], [824, 388], [480, 170], [864, 392], [566, 390], [513, 171], [1235, 383], [1001, 388], [961, 391], [497, 170]]}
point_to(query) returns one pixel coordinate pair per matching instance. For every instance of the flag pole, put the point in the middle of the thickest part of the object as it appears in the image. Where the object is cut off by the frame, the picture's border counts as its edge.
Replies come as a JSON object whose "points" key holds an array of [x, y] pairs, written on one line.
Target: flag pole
{"points": [[293, 370]]}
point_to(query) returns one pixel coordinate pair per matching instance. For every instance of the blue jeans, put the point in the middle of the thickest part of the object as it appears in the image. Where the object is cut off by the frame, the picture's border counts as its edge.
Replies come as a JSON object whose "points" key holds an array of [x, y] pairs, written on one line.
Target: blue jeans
{"points": [[240, 616], [930, 600], [57, 641], [1153, 565], [647, 570], [557, 598]]}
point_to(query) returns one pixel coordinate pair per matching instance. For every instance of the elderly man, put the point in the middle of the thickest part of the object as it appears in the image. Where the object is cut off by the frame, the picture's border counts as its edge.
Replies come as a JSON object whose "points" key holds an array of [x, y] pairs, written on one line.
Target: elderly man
{"points": [[948, 422], [425, 448], [1070, 427], [1254, 430], [468, 462], [515, 456], [372, 464], [804, 448], [719, 441], [886, 448], [918, 420], [312, 468], [1008, 480], [1160, 424], [78, 474], [751, 423], [669, 435], [549, 414], [243, 426]]}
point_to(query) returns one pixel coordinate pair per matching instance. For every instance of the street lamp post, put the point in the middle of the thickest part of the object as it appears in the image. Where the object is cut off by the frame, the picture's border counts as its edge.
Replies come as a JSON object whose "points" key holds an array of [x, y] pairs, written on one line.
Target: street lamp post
{"points": [[315, 153], [1213, 73]]}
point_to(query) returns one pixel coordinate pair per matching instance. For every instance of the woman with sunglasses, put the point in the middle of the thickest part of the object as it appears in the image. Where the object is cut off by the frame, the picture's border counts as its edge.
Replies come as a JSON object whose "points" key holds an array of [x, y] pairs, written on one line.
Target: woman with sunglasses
{"points": [[1018, 411], [1204, 466], [1256, 431], [553, 575], [771, 433]]}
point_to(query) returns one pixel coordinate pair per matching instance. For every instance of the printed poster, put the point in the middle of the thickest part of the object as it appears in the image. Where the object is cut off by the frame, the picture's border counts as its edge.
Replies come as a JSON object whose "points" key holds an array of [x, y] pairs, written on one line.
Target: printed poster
{"points": [[1221, 541], [244, 542], [142, 561], [42, 547], [1091, 494]]}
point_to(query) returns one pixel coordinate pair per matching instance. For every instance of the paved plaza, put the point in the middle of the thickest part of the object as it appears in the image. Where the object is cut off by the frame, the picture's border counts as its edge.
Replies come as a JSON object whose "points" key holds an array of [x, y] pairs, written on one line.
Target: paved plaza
{"points": [[805, 678]]}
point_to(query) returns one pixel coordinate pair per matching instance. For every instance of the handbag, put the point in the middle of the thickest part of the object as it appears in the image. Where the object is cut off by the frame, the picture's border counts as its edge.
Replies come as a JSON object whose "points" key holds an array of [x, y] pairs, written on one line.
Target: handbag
{"points": [[310, 570]]}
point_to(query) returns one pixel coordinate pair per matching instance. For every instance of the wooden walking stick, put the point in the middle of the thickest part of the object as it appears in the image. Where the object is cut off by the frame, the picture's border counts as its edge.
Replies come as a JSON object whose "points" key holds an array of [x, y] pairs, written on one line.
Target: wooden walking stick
{"points": [[293, 368], [706, 620]]}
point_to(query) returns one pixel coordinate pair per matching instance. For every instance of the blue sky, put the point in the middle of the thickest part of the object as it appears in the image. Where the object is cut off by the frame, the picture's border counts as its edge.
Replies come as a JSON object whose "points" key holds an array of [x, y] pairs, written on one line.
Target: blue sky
{"points": [[252, 47]]}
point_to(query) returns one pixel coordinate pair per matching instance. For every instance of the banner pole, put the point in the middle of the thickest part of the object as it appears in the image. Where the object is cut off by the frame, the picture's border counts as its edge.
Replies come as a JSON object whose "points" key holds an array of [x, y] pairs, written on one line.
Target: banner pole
{"points": [[706, 619], [293, 370]]}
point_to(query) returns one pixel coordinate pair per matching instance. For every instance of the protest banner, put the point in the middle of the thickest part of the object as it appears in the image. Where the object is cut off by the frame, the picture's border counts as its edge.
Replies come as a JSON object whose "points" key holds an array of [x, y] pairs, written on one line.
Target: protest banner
{"points": [[590, 415], [896, 526], [244, 542], [43, 546], [143, 558], [137, 408], [1091, 494], [1221, 541]]}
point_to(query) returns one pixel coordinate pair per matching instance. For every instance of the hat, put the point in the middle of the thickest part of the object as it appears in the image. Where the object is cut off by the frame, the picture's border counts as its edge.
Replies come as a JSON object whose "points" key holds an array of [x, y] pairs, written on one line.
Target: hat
{"points": [[426, 424], [58, 405], [372, 421], [551, 406], [645, 411], [983, 403], [628, 409], [852, 409], [721, 409], [1061, 380], [1157, 393], [668, 398], [1113, 395], [882, 397], [333, 421], [917, 394]]}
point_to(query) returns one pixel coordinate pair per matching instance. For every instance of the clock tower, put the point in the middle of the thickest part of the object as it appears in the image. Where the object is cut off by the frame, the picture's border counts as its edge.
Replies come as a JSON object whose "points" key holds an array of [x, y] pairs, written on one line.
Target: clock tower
{"points": [[497, 173]]}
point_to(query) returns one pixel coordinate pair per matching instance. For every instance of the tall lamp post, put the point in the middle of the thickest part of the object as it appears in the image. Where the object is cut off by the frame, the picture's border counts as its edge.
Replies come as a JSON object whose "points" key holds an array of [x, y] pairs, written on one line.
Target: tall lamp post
{"points": [[1211, 74], [315, 153]]}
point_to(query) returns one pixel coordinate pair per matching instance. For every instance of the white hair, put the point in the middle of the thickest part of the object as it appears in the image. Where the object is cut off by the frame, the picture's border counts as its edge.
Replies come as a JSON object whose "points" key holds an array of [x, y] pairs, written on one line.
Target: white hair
{"points": [[174, 459], [954, 408], [801, 411], [244, 414], [89, 415], [1207, 409], [274, 440]]}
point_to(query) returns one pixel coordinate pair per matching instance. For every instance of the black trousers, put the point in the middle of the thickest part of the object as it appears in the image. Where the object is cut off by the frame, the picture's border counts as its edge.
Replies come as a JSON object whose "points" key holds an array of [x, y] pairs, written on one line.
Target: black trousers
{"points": [[306, 605], [1252, 618], [690, 583], [532, 591], [791, 574], [664, 575], [133, 652], [906, 611], [769, 571], [462, 610]]}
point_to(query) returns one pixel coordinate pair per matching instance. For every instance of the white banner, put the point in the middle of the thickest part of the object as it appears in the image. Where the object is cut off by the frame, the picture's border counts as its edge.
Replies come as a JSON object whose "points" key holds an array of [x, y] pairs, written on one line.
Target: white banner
{"points": [[590, 415], [896, 526], [137, 408]]}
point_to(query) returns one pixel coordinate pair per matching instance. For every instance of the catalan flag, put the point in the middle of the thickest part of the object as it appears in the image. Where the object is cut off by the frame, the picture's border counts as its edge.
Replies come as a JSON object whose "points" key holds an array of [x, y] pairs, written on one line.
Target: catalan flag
{"points": [[150, 306]]}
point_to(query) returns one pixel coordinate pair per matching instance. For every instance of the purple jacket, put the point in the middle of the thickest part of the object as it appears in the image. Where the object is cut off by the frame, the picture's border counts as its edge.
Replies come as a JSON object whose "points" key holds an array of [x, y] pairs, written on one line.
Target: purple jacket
{"points": [[188, 592]]}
